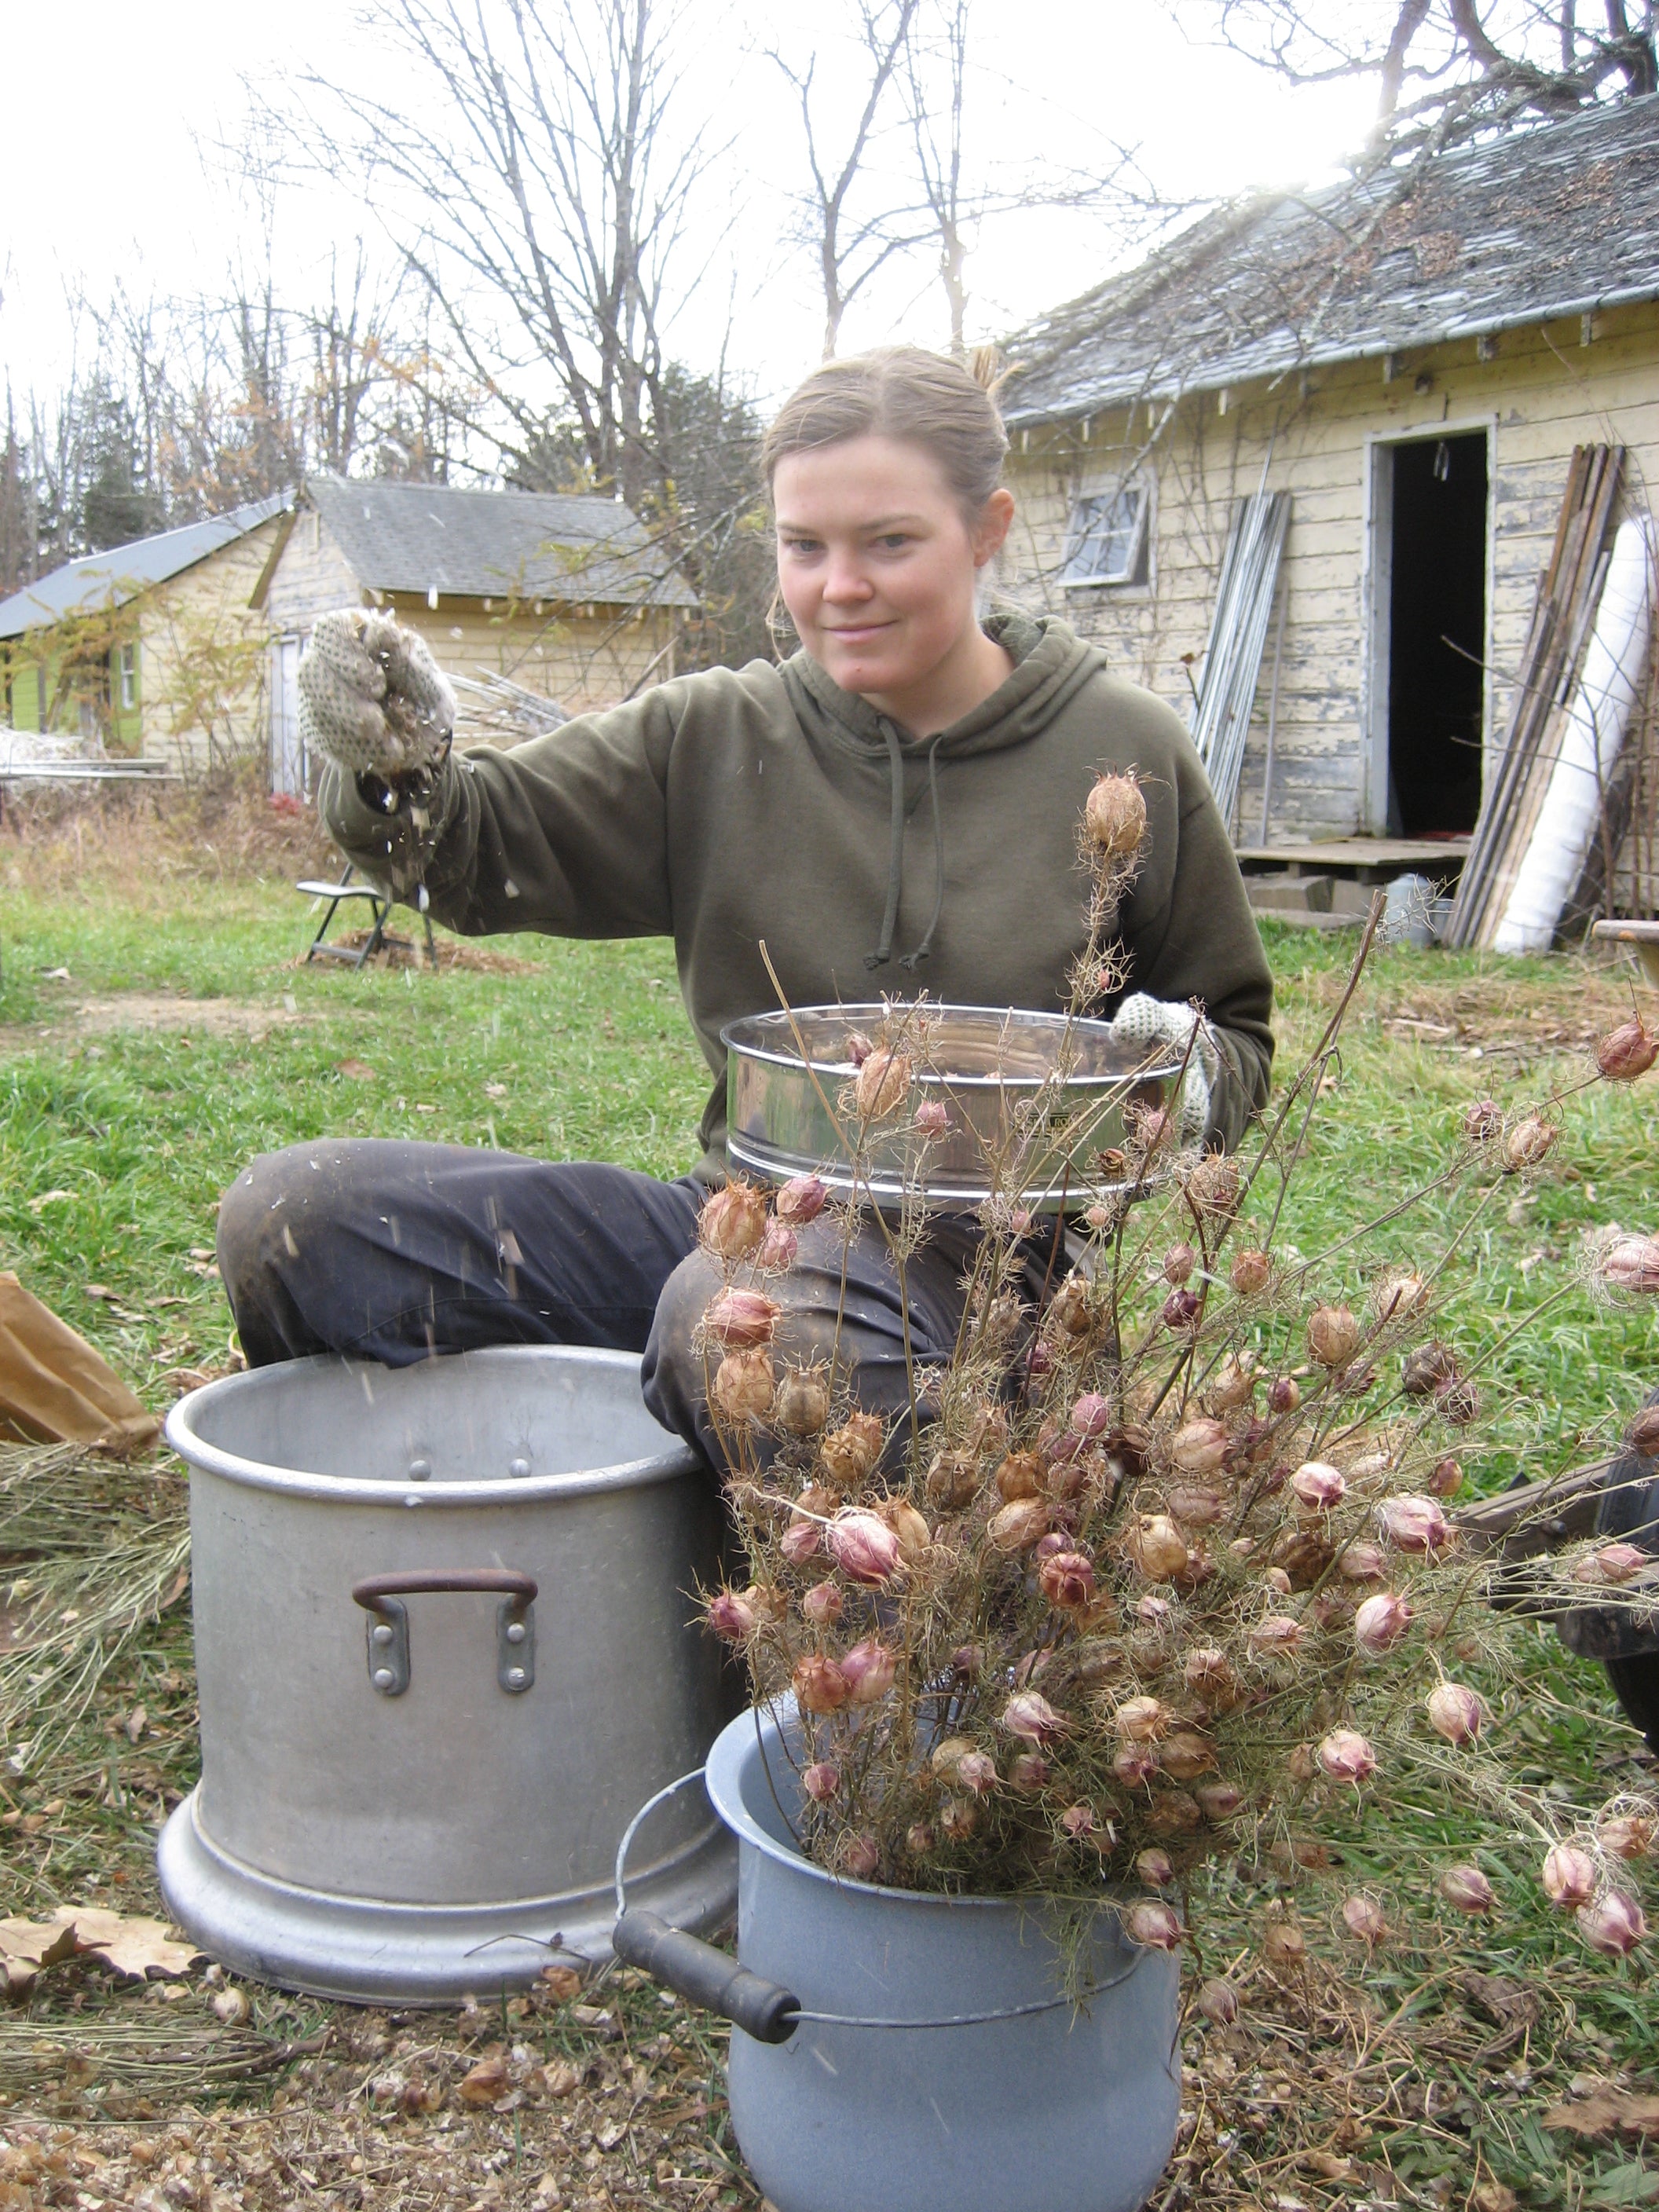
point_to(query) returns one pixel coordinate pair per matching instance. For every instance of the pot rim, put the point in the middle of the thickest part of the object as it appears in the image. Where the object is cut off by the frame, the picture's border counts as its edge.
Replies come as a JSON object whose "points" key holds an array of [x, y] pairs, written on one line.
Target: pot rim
{"points": [[738, 1037], [721, 1780], [674, 1460]]}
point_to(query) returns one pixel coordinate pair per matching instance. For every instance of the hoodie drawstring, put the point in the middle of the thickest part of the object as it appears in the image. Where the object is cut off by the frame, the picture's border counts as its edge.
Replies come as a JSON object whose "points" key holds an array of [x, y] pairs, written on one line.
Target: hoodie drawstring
{"points": [[884, 951]]}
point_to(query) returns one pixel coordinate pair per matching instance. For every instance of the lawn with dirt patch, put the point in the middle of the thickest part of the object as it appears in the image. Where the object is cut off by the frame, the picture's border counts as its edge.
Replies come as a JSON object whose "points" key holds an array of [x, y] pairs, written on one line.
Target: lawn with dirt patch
{"points": [[158, 1025]]}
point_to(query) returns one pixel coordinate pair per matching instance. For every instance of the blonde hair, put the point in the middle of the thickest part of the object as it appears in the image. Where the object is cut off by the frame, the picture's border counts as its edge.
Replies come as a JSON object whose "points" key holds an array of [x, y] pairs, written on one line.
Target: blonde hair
{"points": [[927, 399]]}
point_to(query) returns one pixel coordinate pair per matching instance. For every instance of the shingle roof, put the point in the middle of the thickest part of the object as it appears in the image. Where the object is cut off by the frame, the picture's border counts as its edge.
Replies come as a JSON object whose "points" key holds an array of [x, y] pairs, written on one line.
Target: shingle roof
{"points": [[1556, 220], [110, 580], [477, 544]]}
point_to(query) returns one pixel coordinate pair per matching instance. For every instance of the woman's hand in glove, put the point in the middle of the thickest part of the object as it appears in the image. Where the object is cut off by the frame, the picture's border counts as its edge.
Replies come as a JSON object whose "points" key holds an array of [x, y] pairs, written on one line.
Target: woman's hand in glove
{"points": [[372, 697], [1148, 1024]]}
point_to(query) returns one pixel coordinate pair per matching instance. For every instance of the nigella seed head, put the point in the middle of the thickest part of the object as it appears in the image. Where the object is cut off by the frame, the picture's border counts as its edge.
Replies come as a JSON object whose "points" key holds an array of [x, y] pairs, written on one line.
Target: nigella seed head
{"points": [[733, 1221], [1628, 1051], [1180, 1309], [1114, 818]]}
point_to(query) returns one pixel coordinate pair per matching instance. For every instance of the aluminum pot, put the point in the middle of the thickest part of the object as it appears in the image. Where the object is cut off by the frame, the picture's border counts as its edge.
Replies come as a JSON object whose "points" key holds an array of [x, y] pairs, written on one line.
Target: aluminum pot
{"points": [[900, 2051], [445, 1642], [993, 1068]]}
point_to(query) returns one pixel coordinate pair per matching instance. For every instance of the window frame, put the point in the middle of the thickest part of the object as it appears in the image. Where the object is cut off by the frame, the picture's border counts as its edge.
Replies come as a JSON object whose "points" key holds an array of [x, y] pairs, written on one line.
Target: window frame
{"points": [[1135, 573], [126, 671]]}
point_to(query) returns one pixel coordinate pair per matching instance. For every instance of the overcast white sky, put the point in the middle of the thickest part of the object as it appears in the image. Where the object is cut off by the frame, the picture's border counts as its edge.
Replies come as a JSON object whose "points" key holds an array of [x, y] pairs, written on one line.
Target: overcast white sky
{"points": [[115, 176]]}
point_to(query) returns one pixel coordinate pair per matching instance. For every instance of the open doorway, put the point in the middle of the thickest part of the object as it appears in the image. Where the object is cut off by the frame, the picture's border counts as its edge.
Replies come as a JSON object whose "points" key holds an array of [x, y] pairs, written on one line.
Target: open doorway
{"points": [[1437, 633]]}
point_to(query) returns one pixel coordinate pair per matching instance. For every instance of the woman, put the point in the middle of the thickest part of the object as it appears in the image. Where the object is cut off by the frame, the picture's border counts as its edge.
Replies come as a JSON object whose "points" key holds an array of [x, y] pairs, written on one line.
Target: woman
{"points": [[893, 808]]}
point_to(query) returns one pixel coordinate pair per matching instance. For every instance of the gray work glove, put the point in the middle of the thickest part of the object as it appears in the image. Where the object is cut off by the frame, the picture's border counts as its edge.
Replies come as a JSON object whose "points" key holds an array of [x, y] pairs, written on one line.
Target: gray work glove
{"points": [[1148, 1024], [372, 697]]}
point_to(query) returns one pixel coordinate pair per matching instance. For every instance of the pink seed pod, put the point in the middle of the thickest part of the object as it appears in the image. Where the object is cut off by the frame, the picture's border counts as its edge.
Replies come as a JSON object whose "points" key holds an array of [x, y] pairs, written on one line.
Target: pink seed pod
{"points": [[1068, 1581], [1628, 1051], [863, 1546], [858, 1856], [1180, 1309], [1091, 1416], [1028, 1772], [1200, 1447], [1208, 1672], [949, 1753], [1156, 1547], [1380, 1623], [1454, 1712], [1285, 1395], [1362, 1562], [821, 1780], [733, 1221], [1275, 1578], [1629, 1264], [1154, 1868], [1317, 1486], [1078, 1822], [1527, 1143], [1627, 1835], [1445, 1478], [976, 1771], [800, 1541], [1218, 2002], [1278, 1637], [1233, 1384], [869, 1669], [1415, 1525], [1155, 1926], [1251, 1271], [1467, 1890], [1363, 1917], [1346, 1756], [859, 1046], [1569, 1877], [1483, 1121], [1178, 1264], [1612, 1924], [819, 1685], [743, 1385], [1333, 1336], [1098, 1218], [738, 1319], [775, 1253], [801, 1200], [1621, 1562], [931, 1118], [1195, 1504], [1135, 1763], [1031, 1717], [1141, 1720], [1218, 1801], [1153, 1613], [821, 1605], [918, 1839], [882, 1085], [1115, 817], [730, 1617]]}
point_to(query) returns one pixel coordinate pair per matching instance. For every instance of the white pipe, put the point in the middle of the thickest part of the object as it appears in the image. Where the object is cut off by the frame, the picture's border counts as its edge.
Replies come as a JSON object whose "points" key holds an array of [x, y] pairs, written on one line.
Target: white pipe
{"points": [[1592, 736]]}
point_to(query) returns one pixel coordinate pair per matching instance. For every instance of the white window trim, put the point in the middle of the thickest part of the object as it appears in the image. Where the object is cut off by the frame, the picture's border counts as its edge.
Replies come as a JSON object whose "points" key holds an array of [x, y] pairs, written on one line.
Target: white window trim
{"points": [[128, 669], [1130, 577]]}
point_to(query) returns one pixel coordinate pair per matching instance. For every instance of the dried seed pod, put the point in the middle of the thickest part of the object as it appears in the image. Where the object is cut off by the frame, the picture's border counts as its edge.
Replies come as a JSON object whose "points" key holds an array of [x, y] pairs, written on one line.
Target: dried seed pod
{"points": [[801, 1200], [1016, 1527], [1020, 1475], [1630, 1264], [1069, 1308], [977, 1771], [1626, 1052], [1218, 1801], [1612, 1563], [958, 1817], [1219, 2003], [1153, 1925], [1642, 1435], [1526, 1142], [775, 1253], [743, 1385], [1135, 1763], [1415, 1525], [1251, 1273], [819, 1685], [732, 1220], [730, 1617], [1346, 1756], [1380, 1623], [1483, 1121], [1078, 1825], [1304, 1553], [863, 1546], [1028, 1772], [949, 1753], [822, 1605], [1285, 1395], [1467, 1890], [1141, 1720], [1115, 816], [909, 1526], [1184, 1756], [1213, 1186], [1128, 1450], [1155, 1546], [1067, 1580], [1154, 1868], [848, 1454], [1208, 1673], [1317, 1487], [1627, 1835], [1091, 1416], [1458, 1403], [952, 1480], [1233, 1384], [1333, 1335], [1363, 1917], [1283, 1943], [1174, 1812], [1569, 1877], [859, 1046], [882, 1085], [868, 1669], [802, 1405], [1612, 1924], [1195, 1504], [231, 2007], [1455, 1713], [1275, 1578], [738, 1319], [1362, 1562], [1279, 1637], [1431, 1367], [1398, 1294], [1029, 1716], [821, 1780], [1181, 1308], [1302, 1765], [1445, 1478], [858, 1856], [931, 1118], [1178, 1264], [1200, 1447]]}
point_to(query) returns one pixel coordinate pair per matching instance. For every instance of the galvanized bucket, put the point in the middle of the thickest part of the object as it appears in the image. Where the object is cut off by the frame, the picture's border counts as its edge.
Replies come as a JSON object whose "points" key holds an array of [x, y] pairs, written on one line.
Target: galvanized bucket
{"points": [[445, 1642], [900, 2051]]}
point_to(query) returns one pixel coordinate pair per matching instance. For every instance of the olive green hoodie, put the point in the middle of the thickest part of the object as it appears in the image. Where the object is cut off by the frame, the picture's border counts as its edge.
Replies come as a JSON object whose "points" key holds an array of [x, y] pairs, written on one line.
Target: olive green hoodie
{"points": [[737, 805]]}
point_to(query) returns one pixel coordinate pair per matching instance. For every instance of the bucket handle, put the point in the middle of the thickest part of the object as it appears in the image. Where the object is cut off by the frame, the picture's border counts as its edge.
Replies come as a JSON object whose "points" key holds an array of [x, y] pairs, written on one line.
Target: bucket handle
{"points": [[764, 2009], [380, 1597]]}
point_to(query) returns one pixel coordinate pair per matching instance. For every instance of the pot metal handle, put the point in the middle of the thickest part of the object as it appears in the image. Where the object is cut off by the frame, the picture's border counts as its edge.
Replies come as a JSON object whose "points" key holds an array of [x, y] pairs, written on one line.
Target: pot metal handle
{"points": [[708, 1977], [382, 1596]]}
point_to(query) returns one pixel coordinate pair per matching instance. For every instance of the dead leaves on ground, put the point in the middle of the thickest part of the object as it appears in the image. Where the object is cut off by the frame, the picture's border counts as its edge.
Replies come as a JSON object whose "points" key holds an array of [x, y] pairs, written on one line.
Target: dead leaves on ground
{"points": [[1607, 2112], [130, 1944]]}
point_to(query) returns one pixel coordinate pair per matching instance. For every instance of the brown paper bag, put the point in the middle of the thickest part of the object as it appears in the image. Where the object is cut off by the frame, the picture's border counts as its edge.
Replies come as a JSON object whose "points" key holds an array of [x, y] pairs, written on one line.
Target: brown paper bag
{"points": [[54, 1388]]}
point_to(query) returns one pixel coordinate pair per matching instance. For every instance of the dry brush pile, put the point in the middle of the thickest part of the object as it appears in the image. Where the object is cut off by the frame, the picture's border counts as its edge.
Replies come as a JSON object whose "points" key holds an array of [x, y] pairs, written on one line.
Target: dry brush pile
{"points": [[1163, 1562]]}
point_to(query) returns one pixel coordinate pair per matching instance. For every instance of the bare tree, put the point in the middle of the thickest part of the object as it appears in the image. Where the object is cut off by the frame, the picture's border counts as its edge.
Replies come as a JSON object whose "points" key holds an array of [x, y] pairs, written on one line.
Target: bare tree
{"points": [[853, 234], [936, 125]]}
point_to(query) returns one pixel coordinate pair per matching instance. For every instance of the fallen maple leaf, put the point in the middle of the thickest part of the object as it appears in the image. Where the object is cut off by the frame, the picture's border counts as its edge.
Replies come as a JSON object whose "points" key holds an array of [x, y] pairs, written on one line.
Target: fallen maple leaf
{"points": [[131, 1944], [26, 1945], [488, 2081], [1607, 2109], [563, 1981]]}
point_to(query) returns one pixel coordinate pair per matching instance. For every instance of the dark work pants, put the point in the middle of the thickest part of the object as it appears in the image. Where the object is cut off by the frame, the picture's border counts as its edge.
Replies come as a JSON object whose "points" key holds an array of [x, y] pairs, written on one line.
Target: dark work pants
{"points": [[400, 1252]]}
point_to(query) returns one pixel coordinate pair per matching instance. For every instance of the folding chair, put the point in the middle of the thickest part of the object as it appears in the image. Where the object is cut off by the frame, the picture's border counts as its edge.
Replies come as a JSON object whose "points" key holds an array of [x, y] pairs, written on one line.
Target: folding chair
{"points": [[380, 907]]}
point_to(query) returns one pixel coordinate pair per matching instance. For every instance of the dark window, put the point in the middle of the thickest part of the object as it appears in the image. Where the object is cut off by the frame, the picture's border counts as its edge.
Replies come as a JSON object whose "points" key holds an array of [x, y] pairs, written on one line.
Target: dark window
{"points": [[1106, 543]]}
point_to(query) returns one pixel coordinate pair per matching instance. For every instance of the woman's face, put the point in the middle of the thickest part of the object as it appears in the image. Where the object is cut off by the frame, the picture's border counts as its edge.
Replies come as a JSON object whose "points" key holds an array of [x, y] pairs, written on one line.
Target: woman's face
{"points": [[876, 562]]}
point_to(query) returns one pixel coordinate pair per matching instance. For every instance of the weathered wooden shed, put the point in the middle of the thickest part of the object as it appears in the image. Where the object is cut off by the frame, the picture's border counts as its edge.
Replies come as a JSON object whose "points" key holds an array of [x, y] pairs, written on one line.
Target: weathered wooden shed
{"points": [[1411, 357], [565, 596]]}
